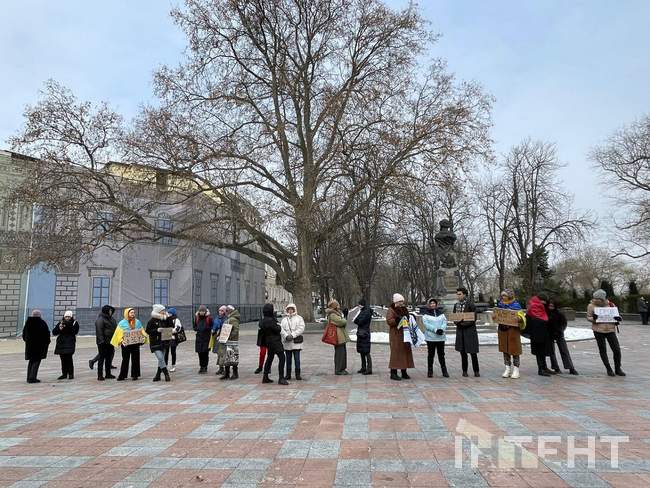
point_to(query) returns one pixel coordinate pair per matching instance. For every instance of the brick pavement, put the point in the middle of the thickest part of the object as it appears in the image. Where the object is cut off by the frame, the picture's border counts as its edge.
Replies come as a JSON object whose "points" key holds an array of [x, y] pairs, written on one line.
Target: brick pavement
{"points": [[327, 430]]}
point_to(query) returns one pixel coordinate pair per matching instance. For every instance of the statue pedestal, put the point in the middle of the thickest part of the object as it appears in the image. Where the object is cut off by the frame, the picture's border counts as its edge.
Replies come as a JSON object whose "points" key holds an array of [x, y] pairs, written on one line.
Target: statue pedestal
{"points": [[450, 282]]}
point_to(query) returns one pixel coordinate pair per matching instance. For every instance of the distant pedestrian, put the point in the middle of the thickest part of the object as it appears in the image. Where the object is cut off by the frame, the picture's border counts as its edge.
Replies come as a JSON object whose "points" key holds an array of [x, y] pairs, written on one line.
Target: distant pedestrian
{"points": [[231, 360], [130, 325], [105, 326], [401, 355], [363, 321], [642, 306], [335, 316], [605, 332], [36, 335], [510, 335], [219, 348], [557, 324], [159, 330], [177, 326], [293, 328], [203, 328], [435, 325], [466, 333], [263, 349], [272, 338], [66, 341]]}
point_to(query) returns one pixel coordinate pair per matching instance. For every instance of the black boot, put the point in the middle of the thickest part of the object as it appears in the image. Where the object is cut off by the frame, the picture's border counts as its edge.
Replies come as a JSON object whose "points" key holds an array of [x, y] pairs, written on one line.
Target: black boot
{"points": [[298, 377], [405, 375], [226, 373], [235, 373], [283, 381], [429, 373], [443, 366], [266, 379], [166, 373], [619, 372], [368, 365], [288, 375], [258, 370], [444, 372], [394, 376], [157, 377], [362, 370]]}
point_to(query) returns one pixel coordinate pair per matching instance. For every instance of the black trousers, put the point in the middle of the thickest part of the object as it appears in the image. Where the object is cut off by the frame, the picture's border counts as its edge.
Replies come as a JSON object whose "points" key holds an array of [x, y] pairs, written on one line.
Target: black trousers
{"points": [[171, 345], [439, 347], [67, 366], [273, 352], [602, 338], [106, 354], [644, 317], [32, 369], [204, 359], [541, 362], [366, 361], [564, 354], [464, 362], [130, 354], [340, 358]]}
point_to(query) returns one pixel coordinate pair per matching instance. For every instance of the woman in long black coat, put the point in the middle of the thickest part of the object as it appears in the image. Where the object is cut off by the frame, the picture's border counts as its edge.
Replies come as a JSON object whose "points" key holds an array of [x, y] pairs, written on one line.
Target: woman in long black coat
{"points": [[36, 335], [203, 329], [362, 321], [66, 343], [272, 339], [538, 332]]}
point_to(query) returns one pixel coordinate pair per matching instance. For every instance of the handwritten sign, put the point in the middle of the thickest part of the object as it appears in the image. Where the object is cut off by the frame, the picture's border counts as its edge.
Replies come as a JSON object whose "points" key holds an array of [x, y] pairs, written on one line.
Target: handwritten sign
{"points": [[225, 332], [506, 317], [133, 337], [461, 317], [606, 314], [166, 334]]}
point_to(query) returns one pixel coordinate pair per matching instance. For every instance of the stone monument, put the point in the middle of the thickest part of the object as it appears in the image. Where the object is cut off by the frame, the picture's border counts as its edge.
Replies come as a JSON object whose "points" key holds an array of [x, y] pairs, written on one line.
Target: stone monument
{"points": [[448, 278]]}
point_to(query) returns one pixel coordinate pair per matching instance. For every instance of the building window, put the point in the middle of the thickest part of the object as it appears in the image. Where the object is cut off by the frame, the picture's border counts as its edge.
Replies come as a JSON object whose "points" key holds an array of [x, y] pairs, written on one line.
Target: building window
{"points": [[198, 278], [214, 289], [101, 291], [247, 291], [161, 291], [104, 225], [164, 224], [228, 290]]}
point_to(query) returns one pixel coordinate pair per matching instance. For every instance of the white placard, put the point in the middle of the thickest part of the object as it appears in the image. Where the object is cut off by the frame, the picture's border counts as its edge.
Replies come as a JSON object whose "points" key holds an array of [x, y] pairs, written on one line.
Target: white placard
{"points": [[606, 314]]}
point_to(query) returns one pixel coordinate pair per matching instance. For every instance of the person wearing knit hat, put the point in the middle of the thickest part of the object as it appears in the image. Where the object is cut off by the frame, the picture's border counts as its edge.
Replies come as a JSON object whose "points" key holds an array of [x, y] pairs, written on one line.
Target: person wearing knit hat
{"points": [[605, 332], [510, 335], [203, 328], [401, 355], [177, 326], [66, 341], [229, 336], [160, 332], [36, 335], [219, 348]]}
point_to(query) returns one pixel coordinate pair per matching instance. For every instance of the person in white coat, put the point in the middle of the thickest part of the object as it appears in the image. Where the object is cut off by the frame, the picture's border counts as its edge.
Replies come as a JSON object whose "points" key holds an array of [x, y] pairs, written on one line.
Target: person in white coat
{"points": [[293, 328]]}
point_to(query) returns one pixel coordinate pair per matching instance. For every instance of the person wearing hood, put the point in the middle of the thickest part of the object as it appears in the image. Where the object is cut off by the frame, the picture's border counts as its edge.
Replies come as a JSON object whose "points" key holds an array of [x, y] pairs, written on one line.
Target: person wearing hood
{"points": [[293, 328], [401, 355], [177, 326], [605, 332], [130, 352], [362, 321], [557, 325], [105, 326], [66, 341], [231, 355], [537, 331], [466, 333], [203, 328], [510, 336], [435, 325], [335, 316], [160, 331], [36, 335], [272, 338], [219, 348]]}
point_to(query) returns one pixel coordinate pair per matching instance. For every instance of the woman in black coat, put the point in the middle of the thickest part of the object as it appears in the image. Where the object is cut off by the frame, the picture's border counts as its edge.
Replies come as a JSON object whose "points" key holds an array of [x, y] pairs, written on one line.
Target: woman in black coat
{"points": [[362, 321], [36, 335], [66, 342], [272, 339], [537, 331], [203, 328]]}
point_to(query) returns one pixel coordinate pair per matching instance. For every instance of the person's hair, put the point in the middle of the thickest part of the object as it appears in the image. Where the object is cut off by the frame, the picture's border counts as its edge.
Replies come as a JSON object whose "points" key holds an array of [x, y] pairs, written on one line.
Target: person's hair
{"points": [[543, 297], [554, 301], [334, 304], [462, 289], [432, 300]]}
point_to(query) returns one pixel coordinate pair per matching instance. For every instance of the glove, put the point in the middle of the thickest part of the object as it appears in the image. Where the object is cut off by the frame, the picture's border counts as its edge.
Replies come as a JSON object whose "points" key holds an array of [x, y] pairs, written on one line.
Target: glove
{"points": [[289, 338], [440, 332], [595, 316], [160, 329], [618, 318]]}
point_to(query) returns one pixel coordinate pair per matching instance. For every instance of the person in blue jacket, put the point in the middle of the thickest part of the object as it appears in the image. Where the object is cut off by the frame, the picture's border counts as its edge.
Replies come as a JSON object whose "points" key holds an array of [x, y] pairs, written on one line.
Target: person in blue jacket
{"points": [[435, 325]]}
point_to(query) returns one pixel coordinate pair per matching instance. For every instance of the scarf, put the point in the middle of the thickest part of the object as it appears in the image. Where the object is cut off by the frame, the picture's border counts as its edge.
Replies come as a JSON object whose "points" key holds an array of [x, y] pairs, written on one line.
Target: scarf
{"points": [[536, 309]]}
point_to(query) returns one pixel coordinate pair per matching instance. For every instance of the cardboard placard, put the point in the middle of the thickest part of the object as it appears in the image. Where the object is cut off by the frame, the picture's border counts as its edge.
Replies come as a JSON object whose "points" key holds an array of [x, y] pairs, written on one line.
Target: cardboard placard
{"points": [[461, 317], [506, 316], [225, 332], [606, 314], [167, 333], [133, 337]]}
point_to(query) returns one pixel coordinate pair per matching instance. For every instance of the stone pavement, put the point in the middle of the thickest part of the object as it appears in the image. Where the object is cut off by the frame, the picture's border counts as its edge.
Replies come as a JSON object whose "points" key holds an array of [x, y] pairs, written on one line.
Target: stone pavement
{"points": [[327, 430]]}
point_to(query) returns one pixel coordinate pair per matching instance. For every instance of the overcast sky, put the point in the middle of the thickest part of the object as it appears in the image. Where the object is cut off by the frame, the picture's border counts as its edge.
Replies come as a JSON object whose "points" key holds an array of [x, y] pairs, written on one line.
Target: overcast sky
{"points": [[568, 72]]}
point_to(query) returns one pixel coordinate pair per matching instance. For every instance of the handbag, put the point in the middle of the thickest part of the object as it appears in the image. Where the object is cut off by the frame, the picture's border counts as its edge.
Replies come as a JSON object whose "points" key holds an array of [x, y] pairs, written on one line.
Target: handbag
{"points": [[180, 336], [298, 340], [330, 335]]}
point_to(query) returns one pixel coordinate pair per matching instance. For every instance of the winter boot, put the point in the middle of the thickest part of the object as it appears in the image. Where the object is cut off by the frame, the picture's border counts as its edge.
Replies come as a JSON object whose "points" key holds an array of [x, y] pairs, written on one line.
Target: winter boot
{"points": [[226, 373], [507, 373], [235, 373], [444, 371], [368, 365], [258, 370], [157, 377], [430, 373], [266, 379], [394, 376], [283, 381], [515, 372], [166, 373], [63, 377], [405, 375], [298, 377], [573, 372], [619, 372]]}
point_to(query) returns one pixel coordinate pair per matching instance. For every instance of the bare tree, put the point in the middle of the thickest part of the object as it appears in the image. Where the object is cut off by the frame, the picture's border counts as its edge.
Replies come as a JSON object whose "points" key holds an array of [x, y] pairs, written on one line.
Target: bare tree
{"points": [[274, 107], [624, 160]]}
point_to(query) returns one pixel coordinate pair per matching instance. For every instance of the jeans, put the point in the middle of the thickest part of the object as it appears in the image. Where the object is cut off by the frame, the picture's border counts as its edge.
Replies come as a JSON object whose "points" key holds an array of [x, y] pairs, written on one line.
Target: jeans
{"points": [[295, 354], [602, 338], [160, 355], [171, 345]]}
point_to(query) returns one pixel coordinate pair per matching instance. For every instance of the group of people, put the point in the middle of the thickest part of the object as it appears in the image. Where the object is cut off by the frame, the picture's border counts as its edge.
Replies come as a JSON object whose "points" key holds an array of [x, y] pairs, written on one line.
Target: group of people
{"points": [[542, 322]]}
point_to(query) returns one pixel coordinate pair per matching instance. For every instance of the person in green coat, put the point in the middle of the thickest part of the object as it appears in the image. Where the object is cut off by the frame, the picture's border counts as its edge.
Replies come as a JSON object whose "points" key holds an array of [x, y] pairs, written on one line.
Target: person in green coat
{"points": [[335, 316], [232, 344]]}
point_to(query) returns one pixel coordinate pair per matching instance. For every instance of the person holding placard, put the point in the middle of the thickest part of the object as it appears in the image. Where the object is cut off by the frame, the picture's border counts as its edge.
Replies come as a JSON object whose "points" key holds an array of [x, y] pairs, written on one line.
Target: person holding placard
{"points": [[230, 337], [604, 318], [129, 335], [557, 325], [160, 331], [466, 333], [203, 328], [435, 325], [537, 330], [401, 354], [510, 335]]}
